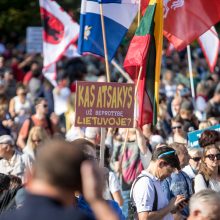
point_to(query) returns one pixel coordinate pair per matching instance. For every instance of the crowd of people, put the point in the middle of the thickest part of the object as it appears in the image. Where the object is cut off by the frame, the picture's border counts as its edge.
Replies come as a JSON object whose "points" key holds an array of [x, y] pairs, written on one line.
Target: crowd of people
{"points": [[49, 167]]}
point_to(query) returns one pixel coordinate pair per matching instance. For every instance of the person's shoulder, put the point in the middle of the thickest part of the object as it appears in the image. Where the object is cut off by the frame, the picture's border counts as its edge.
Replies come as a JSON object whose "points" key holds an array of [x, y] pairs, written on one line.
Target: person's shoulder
{"points": [[142, 180]]}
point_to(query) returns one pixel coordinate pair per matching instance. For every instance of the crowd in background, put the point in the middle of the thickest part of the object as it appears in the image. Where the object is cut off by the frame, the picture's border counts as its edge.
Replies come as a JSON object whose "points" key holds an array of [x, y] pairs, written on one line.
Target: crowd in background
{"points": [[33, 111]]}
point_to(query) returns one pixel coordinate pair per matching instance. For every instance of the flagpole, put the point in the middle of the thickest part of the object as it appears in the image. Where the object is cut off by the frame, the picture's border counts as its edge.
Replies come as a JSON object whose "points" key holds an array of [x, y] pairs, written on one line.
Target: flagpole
{"points": [[191, 73], [123, 73], [139, 12], [103, 131], [104, 43]]}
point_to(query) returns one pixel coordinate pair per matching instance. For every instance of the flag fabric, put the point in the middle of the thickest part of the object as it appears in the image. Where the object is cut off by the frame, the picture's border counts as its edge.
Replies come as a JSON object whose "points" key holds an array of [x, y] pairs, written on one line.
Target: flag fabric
{"points": [[51, 74], [209, 42], [59, 31], [145, 52], [72, 51], [118, 16], [186, 20]]}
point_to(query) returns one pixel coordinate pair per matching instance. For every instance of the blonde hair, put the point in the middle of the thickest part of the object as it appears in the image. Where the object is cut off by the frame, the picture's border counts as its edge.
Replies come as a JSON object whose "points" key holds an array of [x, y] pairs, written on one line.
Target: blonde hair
{"points": [[39, 132]]}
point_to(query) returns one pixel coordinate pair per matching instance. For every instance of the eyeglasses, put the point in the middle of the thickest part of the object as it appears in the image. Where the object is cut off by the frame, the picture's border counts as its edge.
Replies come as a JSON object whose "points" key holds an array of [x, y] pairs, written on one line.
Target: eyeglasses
{"points": [[176, 127], [212, 157], [166, 153], [36, 141], [196, 159]]}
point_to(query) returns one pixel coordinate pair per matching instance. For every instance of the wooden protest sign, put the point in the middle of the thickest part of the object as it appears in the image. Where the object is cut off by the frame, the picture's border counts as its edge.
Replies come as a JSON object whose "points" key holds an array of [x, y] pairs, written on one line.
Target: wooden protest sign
{"points": [[100, 104]]}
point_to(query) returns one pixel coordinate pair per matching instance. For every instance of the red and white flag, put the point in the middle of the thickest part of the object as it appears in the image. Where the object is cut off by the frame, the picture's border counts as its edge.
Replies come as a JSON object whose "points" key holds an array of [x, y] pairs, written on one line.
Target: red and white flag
{"points": [[51, 74], [59, 31], [209, 42], [186, 20]]}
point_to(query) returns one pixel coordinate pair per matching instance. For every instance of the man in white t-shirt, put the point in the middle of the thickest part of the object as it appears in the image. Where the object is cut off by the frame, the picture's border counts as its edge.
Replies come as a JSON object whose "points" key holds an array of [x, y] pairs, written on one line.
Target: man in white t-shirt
{"points": [[147, 193]]}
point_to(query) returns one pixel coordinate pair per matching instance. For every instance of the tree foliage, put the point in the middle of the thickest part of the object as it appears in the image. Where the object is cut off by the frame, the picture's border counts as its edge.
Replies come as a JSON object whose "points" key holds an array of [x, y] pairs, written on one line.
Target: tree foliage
{"points": [[17, 15]]}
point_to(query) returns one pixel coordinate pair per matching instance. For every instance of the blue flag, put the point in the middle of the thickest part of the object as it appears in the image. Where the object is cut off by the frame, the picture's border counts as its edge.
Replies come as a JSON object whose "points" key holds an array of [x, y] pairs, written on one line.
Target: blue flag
{"points": [[118, 16]]}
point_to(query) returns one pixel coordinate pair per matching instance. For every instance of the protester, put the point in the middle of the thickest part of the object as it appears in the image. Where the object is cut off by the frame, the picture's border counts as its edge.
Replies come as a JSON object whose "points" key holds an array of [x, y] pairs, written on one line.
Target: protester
{"points": [[205, 205], [213, 109], [147, 194], [195, 156], [36, 137], [56, 177], [12, 162], [89, 150], [179, 183], [209, 176], [40, 118]]}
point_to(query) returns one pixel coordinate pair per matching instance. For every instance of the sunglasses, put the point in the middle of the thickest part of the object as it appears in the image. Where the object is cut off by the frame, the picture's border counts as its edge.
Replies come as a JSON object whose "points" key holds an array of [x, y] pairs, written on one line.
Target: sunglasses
{"points": [[196, 159], [177, 127], [212, 157]]}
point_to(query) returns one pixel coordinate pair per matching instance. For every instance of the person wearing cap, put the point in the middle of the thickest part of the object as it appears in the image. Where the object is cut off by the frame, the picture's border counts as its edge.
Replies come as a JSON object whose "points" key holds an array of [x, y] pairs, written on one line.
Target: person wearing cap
{"points": [[13, 162], [147, 193]]}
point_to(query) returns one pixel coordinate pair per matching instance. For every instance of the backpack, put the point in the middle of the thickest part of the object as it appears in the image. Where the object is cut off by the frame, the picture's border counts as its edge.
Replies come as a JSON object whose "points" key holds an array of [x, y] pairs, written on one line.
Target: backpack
{"points": [[132, 210]]}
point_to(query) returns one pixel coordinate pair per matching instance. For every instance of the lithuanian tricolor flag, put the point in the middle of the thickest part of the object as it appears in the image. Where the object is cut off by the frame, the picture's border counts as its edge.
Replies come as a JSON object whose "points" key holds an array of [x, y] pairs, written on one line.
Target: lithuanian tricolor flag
{"points": [[145, 51]]}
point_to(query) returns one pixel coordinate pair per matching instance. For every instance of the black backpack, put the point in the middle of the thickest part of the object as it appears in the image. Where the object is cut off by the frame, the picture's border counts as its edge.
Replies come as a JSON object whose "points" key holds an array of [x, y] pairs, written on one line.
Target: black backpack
{"points": [[132, 210]]}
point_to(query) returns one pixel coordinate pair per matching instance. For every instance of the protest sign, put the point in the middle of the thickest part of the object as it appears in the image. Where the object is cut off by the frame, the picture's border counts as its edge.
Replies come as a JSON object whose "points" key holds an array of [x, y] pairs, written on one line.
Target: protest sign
{"points": [[34, 39], [194, 136], [100, 104]]}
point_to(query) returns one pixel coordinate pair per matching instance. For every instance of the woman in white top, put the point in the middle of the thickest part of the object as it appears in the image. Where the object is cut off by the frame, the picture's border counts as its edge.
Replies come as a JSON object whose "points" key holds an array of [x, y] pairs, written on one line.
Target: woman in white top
{"points": [[20, 105], [209, 172]]}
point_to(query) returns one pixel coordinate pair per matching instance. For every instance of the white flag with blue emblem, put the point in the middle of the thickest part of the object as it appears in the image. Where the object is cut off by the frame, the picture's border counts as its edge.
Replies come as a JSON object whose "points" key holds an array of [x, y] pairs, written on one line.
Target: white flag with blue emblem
{"points": [[118, 16]]}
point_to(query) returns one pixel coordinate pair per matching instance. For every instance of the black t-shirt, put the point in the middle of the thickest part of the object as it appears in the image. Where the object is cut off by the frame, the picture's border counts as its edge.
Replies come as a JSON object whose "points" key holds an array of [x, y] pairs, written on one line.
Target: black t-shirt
{"points": [[44, 208]]}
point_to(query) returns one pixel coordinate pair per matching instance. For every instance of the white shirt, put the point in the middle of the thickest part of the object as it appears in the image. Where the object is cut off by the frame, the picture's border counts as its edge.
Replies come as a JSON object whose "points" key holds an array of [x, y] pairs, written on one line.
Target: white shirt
{"points": [[17, 165], [112, 185], [61, 100], [200, 184], [143, 194], [188, 170]]}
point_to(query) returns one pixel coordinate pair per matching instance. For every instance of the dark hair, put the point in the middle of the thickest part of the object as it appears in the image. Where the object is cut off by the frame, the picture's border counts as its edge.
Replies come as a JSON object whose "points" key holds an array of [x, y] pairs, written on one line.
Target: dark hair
{"points": [[39, 100], [75, 68], [209, 137], [20, 86], [4, 182], [168, 154], [58, 162]]}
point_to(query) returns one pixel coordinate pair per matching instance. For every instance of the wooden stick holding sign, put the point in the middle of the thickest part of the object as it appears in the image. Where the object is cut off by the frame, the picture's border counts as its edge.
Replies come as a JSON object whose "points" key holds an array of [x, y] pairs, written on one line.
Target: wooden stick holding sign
{"points": [[103, 132]]}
